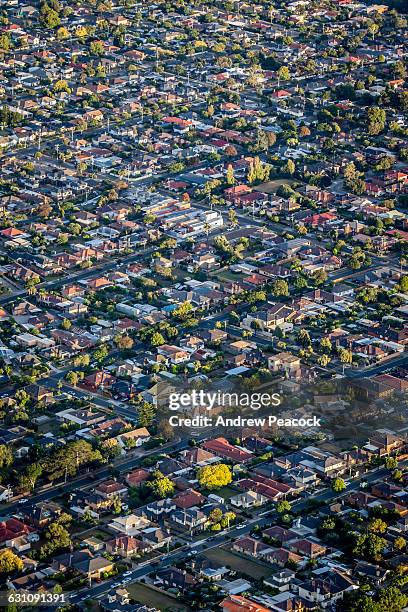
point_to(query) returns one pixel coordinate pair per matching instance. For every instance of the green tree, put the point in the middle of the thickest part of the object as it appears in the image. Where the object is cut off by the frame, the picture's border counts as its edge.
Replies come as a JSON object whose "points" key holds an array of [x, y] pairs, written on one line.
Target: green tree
{"points": [[161, 486], [283, 506], [377, 525], [227, 519], [391, 463], [232, 217], [280, 288], [96, 47], [345, 356], [373, 28], [319, 277], [72, 378], [6, 456], [61, 85], [403, 283], [323, 360], [389, 599], [57, 537], [157, 339], [230, 179], [300, 282], [22, 397], [338, 485], [62, 33], [369, 546], [110, 449], [165, 430], [399, 69], [67, 461], [326, 346], [28, 479], [5, 42], [392, 600], [74, 229], [49, 18], [256, 296], [116, 504], [283, 73], [397, 475], [376, 118], [303, 337], [215, 515], [351, 177], [290, 167], [9, 562], [222, 244], [101, 352], [400, 543], [183, 311], [149, 219], [146, 414], [328, 524], [123, 342]]}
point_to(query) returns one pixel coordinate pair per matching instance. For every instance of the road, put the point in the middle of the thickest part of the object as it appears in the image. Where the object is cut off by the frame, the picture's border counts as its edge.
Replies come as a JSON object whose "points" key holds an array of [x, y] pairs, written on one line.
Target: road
{"points": [[346, 273], [74, 277], [117, 407], [246, 218], [57, 378], [262, 520], [91, 479], [381, 368]]}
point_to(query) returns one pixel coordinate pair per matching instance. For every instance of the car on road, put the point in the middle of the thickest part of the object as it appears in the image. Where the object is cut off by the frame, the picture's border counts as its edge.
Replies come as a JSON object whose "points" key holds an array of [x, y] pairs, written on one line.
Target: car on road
{"points": [[241, 526], [23, 500], [128, 573]]}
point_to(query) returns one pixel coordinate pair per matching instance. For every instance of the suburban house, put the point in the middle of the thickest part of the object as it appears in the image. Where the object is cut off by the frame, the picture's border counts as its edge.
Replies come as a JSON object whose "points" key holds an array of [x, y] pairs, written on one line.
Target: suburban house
{"points": [[130, 525], [222, 448]]}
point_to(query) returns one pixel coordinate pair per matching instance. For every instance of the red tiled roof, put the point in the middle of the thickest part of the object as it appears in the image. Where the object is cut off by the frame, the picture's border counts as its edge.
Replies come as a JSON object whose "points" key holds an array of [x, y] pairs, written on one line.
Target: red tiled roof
{"points": [[236, 603], [188, 499], [137, 476], [222, 448], [320, 219], [13, 528], [11, 232], [247, 484]]}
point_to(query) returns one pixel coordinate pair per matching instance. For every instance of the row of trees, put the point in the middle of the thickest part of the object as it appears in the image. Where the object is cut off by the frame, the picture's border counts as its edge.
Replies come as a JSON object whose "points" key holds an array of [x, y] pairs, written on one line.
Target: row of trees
{"points": [[10, 118], [63, 462]]}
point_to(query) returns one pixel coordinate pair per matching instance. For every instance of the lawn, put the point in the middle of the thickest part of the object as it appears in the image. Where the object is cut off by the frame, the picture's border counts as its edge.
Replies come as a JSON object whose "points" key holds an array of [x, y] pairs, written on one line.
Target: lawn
{"points": [[272, 186], [239, 563], [95, 533], [226, 492], [226, 275], [50, 426], [155, 598]]}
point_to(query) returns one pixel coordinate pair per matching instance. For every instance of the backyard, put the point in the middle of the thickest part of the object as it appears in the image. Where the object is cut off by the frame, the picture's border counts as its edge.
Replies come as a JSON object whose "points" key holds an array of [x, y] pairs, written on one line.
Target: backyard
{"points": [[272, 186], [155, 598], [238, 563]]}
